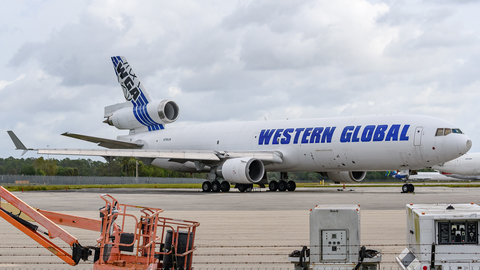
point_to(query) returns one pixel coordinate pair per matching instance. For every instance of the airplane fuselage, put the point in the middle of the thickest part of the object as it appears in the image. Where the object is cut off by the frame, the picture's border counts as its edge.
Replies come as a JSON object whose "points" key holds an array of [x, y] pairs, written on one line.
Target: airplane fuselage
{"points": [[320, 145]]}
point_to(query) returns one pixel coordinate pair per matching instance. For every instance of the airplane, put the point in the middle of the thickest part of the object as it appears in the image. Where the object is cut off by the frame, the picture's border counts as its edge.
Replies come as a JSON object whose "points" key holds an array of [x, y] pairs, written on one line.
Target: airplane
{"points": [[241, 153], [465, 167]]}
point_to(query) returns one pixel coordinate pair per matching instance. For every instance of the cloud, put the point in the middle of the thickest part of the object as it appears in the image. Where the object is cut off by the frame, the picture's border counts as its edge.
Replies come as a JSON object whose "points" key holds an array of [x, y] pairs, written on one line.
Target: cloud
{"points": [[3, 84], [245, 60]]}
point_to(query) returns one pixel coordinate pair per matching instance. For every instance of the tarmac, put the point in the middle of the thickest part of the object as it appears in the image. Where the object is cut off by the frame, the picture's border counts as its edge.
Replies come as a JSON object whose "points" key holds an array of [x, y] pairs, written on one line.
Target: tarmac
{"points": [[253, 230]]}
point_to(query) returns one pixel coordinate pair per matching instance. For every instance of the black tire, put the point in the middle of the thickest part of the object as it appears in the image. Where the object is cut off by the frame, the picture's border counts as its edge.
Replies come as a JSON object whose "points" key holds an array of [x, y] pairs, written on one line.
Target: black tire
{"points": [[225, 186], [273, 185], [216, 186], [249, 187], [282, 185], [241, 187], [206, 186], [411, 188], [291, 186], [405, 188]]}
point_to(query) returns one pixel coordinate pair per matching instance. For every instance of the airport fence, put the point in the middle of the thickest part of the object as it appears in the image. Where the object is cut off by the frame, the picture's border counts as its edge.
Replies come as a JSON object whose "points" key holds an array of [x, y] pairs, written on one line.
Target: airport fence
{"points": [[91, 180]]}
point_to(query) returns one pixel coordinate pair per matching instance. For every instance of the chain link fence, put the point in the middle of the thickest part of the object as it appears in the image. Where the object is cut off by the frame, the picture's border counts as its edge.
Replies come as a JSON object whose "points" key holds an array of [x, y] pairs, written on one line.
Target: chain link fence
{"points": [[91, 180]]}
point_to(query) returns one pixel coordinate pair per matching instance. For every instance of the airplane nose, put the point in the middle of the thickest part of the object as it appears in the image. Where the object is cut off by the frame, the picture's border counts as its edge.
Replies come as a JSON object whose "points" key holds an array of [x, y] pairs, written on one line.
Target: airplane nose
{"points": [[464, 145]]}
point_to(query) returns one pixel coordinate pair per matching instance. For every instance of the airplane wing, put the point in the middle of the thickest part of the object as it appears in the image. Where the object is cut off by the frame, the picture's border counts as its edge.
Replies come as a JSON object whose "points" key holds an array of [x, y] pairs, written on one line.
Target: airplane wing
{"points": [[181, 156], [176, 155], [107, 143]]}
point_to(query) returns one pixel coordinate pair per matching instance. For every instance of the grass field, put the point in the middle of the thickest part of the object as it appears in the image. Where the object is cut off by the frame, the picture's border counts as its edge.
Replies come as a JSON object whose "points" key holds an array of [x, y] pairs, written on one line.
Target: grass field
{"points": [[13, 187]]}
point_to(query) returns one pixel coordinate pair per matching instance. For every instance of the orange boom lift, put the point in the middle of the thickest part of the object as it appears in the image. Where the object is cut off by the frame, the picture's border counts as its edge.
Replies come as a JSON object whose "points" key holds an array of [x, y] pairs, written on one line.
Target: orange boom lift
{"points": [[153, 243]]}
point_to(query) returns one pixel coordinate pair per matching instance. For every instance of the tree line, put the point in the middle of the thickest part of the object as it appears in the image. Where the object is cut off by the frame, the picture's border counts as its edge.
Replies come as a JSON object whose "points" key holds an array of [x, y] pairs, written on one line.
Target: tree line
{"points": [[125, 166]]}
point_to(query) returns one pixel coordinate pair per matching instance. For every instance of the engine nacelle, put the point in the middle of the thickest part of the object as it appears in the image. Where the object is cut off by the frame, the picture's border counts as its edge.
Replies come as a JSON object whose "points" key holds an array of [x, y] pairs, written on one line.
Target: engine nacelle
{"points": [[242, 170], [157, 112], [347, 176]]}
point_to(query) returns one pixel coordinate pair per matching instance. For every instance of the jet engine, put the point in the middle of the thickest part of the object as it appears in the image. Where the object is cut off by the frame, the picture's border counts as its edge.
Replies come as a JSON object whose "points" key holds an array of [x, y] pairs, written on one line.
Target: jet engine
{"points": [[156, 112], [241, 170], [346, 176]]}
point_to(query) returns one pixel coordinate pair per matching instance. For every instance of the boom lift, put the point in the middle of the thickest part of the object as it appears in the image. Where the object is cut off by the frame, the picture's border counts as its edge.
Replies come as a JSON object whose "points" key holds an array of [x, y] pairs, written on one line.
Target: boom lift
{"points": [[155, 242]]}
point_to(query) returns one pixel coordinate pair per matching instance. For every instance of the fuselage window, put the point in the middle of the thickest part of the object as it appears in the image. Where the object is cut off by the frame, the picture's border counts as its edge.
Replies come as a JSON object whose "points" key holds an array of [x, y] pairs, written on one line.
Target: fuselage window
{"points": [[447, 131], [456, 130], [439, 132]]}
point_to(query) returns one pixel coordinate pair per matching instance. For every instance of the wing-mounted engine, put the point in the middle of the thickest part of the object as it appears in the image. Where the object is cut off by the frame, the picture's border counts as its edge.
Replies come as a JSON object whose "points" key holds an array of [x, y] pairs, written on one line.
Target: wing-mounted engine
{"points": [[153, 115], [346, 176], [242, 170]]}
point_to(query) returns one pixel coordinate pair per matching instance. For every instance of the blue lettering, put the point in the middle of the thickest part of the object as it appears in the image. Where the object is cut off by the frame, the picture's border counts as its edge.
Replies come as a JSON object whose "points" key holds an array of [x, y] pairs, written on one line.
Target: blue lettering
{"points": [[265, 136], [306, 134], [346, 135], [297, 134], [379, 134], [392, 133], [368, 133], [278, 133], [328, 134], [355, 134], [315, 137], [286, 134], [403, 136]]}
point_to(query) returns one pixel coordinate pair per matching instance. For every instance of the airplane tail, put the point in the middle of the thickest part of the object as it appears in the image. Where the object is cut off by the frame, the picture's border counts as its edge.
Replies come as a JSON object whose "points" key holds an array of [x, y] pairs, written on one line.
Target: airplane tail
{"points": [[133, 89], [140, 112]]}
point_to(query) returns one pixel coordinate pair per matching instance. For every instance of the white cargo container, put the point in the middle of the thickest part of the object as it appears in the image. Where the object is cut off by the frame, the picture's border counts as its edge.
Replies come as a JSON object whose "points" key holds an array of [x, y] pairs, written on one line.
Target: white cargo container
{"points": [[441, 236], [335, 240]]}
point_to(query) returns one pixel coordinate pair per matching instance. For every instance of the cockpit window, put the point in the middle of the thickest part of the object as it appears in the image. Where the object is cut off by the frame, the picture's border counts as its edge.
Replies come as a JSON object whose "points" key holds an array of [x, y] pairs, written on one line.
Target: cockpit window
{"points": [[446, 131]]}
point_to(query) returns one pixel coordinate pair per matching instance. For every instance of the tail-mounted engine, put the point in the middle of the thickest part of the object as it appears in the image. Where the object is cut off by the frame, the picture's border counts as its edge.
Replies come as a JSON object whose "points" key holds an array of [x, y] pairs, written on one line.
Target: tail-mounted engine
{"points": [[153, 115], [346, 176], [242, 170]]}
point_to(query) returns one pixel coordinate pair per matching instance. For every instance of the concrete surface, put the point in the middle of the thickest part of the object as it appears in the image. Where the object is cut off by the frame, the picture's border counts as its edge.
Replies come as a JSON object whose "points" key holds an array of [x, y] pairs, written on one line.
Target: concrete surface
{"points": [[255, 230]]}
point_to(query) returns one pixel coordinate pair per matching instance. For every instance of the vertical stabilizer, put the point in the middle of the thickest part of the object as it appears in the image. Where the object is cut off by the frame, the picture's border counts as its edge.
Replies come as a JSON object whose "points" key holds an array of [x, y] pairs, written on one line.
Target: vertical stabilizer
{"points": [[133, 89]]}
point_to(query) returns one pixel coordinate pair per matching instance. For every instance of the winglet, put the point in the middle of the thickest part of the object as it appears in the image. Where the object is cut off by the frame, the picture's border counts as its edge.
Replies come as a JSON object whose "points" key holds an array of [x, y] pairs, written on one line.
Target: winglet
{"points": [[18, 144]]}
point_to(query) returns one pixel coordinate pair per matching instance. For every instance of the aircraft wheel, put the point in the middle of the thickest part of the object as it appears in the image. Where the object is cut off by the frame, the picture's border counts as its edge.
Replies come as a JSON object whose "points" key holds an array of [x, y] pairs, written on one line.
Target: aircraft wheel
{"points": [[225, 186], [405, 188], [216, 186], [411, 188], [249, 187], [273, 185], [291, 186], [241, 187], [282, 185], [206, 186]]}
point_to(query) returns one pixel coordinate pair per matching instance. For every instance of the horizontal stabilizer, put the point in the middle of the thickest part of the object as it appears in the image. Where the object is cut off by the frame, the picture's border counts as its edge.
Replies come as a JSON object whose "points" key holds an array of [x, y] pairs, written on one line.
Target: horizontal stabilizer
{"points": [[107, 143], [18, 144]]}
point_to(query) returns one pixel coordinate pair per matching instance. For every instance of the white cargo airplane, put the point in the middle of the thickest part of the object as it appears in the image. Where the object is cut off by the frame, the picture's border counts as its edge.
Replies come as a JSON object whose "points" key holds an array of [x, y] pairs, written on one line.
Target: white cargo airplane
{"points": [[240, 153], [465, 167]]}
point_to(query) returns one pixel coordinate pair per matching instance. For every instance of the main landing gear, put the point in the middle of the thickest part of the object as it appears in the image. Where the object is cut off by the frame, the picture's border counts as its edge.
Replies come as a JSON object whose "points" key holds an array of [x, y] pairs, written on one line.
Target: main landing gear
{"points": [[283, 184], [408, 188], [215, 186]]}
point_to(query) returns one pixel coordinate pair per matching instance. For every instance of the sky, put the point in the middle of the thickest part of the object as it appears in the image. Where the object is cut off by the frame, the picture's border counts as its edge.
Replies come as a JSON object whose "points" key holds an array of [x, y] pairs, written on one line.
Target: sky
{"points": [[235, 61]]}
